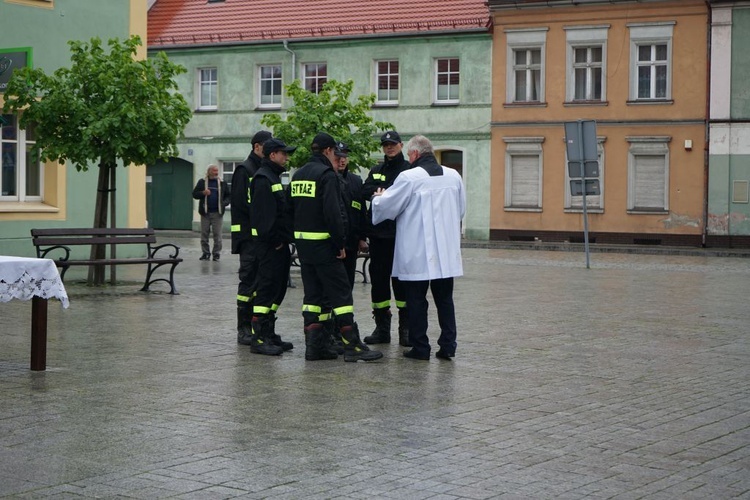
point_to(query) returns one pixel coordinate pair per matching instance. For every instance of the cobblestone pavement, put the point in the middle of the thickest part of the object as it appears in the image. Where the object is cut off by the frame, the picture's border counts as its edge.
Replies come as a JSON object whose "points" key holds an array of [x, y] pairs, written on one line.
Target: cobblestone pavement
{"points": [[627, 380]]}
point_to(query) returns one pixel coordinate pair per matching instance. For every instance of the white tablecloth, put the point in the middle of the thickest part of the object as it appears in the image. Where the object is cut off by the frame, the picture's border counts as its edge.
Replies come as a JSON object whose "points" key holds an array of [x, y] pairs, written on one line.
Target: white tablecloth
{"points": [[23, 278]]}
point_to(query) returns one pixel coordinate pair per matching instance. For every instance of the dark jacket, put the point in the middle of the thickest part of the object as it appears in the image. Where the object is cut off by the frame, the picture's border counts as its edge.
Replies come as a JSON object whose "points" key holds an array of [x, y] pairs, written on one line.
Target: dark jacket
{"points": [[383, 176], [356, 209], [224, 195], [317, 211], [268, 206], [240, 200]]}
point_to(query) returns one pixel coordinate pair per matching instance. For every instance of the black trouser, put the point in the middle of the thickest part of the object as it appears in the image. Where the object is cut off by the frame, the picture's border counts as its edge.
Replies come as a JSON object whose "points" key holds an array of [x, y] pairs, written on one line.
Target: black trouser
{"points": [[327, 290], [247, 273], [350, 264], [381, 266], [442, 294], [272, 276]]}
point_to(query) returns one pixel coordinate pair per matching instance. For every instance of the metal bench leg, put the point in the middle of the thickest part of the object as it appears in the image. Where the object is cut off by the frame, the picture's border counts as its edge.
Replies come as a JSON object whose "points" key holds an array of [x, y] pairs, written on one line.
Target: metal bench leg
{"points": [[38, 334]]}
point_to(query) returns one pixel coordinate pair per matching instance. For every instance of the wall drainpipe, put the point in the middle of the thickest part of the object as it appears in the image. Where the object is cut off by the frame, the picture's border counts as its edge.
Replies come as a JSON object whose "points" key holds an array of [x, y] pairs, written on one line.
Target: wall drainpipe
{"points": [[294, 59], [707, 138]]}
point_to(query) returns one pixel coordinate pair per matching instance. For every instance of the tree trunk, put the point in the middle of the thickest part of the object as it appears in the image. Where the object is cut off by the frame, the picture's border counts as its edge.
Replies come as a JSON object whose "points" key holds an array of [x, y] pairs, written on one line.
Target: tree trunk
{"points": [[113, 219], [96, 273]]}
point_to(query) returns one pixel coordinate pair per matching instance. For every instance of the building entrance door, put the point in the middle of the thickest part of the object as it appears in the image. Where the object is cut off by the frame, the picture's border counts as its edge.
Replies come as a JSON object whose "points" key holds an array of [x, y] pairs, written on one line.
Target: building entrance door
{"points": [[169, 201]]}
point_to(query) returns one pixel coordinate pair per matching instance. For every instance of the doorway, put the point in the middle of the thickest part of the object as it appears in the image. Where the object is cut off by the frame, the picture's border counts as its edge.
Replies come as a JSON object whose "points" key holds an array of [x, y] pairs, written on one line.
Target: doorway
{"points": [[169, 201]]}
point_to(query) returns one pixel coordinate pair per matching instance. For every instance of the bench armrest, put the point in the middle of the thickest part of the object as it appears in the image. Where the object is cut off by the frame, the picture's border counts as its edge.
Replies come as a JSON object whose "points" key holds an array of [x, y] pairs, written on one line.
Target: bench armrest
{"points": [[153, 250], [41, 253]]}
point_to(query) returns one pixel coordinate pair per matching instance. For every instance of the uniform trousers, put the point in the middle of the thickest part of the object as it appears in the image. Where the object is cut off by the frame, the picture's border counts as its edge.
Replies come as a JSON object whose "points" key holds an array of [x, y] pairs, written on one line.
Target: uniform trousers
{"points": [[326, 288], [272, 276], [350, 264], [442, 294], [247, 273], [381, 266]]}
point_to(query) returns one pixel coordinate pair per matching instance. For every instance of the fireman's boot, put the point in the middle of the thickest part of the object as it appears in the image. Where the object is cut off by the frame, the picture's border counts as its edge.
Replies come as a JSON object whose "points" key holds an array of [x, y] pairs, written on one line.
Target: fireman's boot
{"points": [[337, 345], [244, 322], [382, 332], [354, 349], [260, 343], [403, 327], [318, 343], [276, 338]]}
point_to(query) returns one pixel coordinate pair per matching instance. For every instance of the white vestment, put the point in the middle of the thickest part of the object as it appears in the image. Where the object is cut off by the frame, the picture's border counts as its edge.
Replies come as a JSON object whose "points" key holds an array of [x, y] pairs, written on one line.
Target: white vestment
{"points": [[428, 212]]}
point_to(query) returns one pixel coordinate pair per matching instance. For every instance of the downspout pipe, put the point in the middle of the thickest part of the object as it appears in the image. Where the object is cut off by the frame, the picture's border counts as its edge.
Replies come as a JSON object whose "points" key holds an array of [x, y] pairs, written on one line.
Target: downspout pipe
{"points": [[706, 151], [294, 59]]}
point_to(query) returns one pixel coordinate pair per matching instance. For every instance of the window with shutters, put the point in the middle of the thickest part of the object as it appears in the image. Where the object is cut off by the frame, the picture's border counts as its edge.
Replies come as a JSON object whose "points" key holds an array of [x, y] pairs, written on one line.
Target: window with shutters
{"points": [[525, 65], [648, 174], [523, 173], [651, 62]]}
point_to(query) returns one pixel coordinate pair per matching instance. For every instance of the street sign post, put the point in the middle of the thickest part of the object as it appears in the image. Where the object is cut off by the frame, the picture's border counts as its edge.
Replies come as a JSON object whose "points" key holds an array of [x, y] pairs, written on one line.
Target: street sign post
{"points": [[583, 167]]}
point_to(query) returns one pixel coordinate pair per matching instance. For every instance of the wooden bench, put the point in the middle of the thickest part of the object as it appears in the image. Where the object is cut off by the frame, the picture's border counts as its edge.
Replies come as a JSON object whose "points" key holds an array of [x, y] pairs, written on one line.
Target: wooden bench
{"points": [[50, 242], [360, 255]]}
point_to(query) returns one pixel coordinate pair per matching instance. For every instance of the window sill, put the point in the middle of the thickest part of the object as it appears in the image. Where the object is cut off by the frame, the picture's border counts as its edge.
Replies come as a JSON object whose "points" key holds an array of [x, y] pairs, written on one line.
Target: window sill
{"points": [[275, 107], [525, 104], [647, 211], [385, 105], [440, 104], [523, 209], [206, 110], [27, 207], [590, 210], [573, 104], [647, 102]]}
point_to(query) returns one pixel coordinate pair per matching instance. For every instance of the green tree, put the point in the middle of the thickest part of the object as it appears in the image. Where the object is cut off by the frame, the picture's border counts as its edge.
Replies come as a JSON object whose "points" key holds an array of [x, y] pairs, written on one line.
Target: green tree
{"points": [[108, 107], [329, 111]]}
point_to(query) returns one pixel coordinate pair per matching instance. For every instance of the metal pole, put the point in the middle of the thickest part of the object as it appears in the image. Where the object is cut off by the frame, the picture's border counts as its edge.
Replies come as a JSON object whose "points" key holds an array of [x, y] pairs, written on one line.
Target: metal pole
{"points": [[583, 189]]}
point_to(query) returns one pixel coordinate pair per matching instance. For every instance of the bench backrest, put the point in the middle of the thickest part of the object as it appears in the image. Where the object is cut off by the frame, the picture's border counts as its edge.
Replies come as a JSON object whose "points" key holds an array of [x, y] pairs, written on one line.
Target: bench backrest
{"points": [[92, 236]]}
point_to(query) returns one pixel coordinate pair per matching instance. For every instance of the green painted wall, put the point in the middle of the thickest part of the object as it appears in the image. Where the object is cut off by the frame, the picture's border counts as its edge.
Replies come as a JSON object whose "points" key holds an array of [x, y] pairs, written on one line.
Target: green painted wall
{"points": [[47, 32], [225, 134], [740, 106]]}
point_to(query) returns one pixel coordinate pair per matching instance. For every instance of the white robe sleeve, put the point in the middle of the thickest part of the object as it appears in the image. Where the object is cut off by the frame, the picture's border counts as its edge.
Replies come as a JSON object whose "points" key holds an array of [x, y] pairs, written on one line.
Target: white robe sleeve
{"points": [[393, 200]]}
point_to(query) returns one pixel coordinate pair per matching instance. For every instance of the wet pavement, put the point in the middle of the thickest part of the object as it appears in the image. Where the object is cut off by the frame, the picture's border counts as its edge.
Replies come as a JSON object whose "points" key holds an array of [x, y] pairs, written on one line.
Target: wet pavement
{"points": [[627, 380]]}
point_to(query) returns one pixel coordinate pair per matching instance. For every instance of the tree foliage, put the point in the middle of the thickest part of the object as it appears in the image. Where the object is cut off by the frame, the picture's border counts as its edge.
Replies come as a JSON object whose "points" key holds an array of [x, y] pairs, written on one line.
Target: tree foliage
{"points": [[106, 106], [329, 111]]}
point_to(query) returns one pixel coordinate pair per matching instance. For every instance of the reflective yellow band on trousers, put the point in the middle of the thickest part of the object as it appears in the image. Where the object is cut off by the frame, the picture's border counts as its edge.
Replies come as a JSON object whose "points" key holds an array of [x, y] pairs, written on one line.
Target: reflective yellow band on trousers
{"points": [[245, 298], [311, 308], [401, 304], [303, 235], [381, 305], [261, 309], [325, 317], [343, 310]]}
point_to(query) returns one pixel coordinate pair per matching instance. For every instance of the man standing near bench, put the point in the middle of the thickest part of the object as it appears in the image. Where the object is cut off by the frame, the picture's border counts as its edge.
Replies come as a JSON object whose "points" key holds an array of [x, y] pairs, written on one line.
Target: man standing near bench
{"points": [[213, 195]]}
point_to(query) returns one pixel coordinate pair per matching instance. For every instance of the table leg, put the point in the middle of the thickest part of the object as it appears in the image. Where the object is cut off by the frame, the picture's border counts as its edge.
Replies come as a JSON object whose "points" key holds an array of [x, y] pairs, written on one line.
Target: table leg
{"points": [[38, 334]]}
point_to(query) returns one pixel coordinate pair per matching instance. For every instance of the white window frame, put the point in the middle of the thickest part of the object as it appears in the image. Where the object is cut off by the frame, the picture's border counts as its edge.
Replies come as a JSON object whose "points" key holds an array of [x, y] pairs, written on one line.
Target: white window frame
{"points": [[23, 147], [594, 203], [436, 76], [522, 146], [272, 79], [391, 100], [316, 78], [588, 37], [647, 146], [651, 34], [525, 39], [212, 83]]}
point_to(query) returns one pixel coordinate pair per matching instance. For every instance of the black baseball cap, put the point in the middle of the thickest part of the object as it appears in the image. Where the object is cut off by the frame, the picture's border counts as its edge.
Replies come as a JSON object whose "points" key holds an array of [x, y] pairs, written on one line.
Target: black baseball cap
{"points": [[390, 137], [261, 137], [342, 149], [323, 141], [273, 144]]}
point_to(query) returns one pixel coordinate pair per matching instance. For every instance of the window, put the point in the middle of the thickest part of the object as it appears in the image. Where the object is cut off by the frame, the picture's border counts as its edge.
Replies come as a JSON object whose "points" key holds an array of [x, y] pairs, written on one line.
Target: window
{"points": [[270, 86], [447, 79], [227, 170], [20, 170], [386, 82], [523, 173], [587, 57], [650, 61], [208, 85], [648, 174], [525, 71], [595, 202], [316, 75]]}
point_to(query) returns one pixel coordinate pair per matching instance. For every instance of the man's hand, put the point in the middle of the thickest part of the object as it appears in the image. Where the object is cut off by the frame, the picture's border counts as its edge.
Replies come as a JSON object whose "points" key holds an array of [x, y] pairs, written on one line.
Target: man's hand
{"points": [[378, 192], [342, 254], [363, 246]]}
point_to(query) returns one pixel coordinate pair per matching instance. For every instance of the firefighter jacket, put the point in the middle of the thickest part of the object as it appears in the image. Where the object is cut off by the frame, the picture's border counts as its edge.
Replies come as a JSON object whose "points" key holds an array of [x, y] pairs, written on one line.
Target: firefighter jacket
{"points": [[356, 210], [268, 211], [317, 211], [383, 176], [240, 206]]}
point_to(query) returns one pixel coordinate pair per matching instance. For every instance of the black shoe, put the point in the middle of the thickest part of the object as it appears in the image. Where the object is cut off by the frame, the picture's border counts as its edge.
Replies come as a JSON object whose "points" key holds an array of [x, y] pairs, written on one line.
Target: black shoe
{"points": [[354, 349], [445, 355], [413, 354], [205, 256], [216, 257]]}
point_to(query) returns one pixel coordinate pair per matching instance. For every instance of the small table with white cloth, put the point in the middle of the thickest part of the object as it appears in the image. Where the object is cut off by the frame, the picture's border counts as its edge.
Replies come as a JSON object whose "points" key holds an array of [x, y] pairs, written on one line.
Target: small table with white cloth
{"points": [[36, 279]]}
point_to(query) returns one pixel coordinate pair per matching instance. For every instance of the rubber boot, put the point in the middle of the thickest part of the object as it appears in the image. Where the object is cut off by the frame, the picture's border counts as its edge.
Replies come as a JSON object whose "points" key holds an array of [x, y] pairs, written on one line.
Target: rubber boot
{"points": [[382, 332], [259, 341], [274, 338], [403, 328], [244, 322], [337, 345], [317, 343], [354, 349]]}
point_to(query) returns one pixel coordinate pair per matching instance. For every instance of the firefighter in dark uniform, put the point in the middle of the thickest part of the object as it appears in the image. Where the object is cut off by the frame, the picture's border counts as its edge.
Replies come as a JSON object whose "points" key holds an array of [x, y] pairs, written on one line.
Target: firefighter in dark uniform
{"points": [[382, 240], [354, 203], [319, 232], [241, 237], [270, 236]]}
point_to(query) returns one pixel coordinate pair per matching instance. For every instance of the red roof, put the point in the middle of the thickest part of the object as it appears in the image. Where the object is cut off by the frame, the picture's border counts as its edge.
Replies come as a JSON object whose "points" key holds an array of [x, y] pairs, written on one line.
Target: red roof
{"points": [[204, 22]]}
